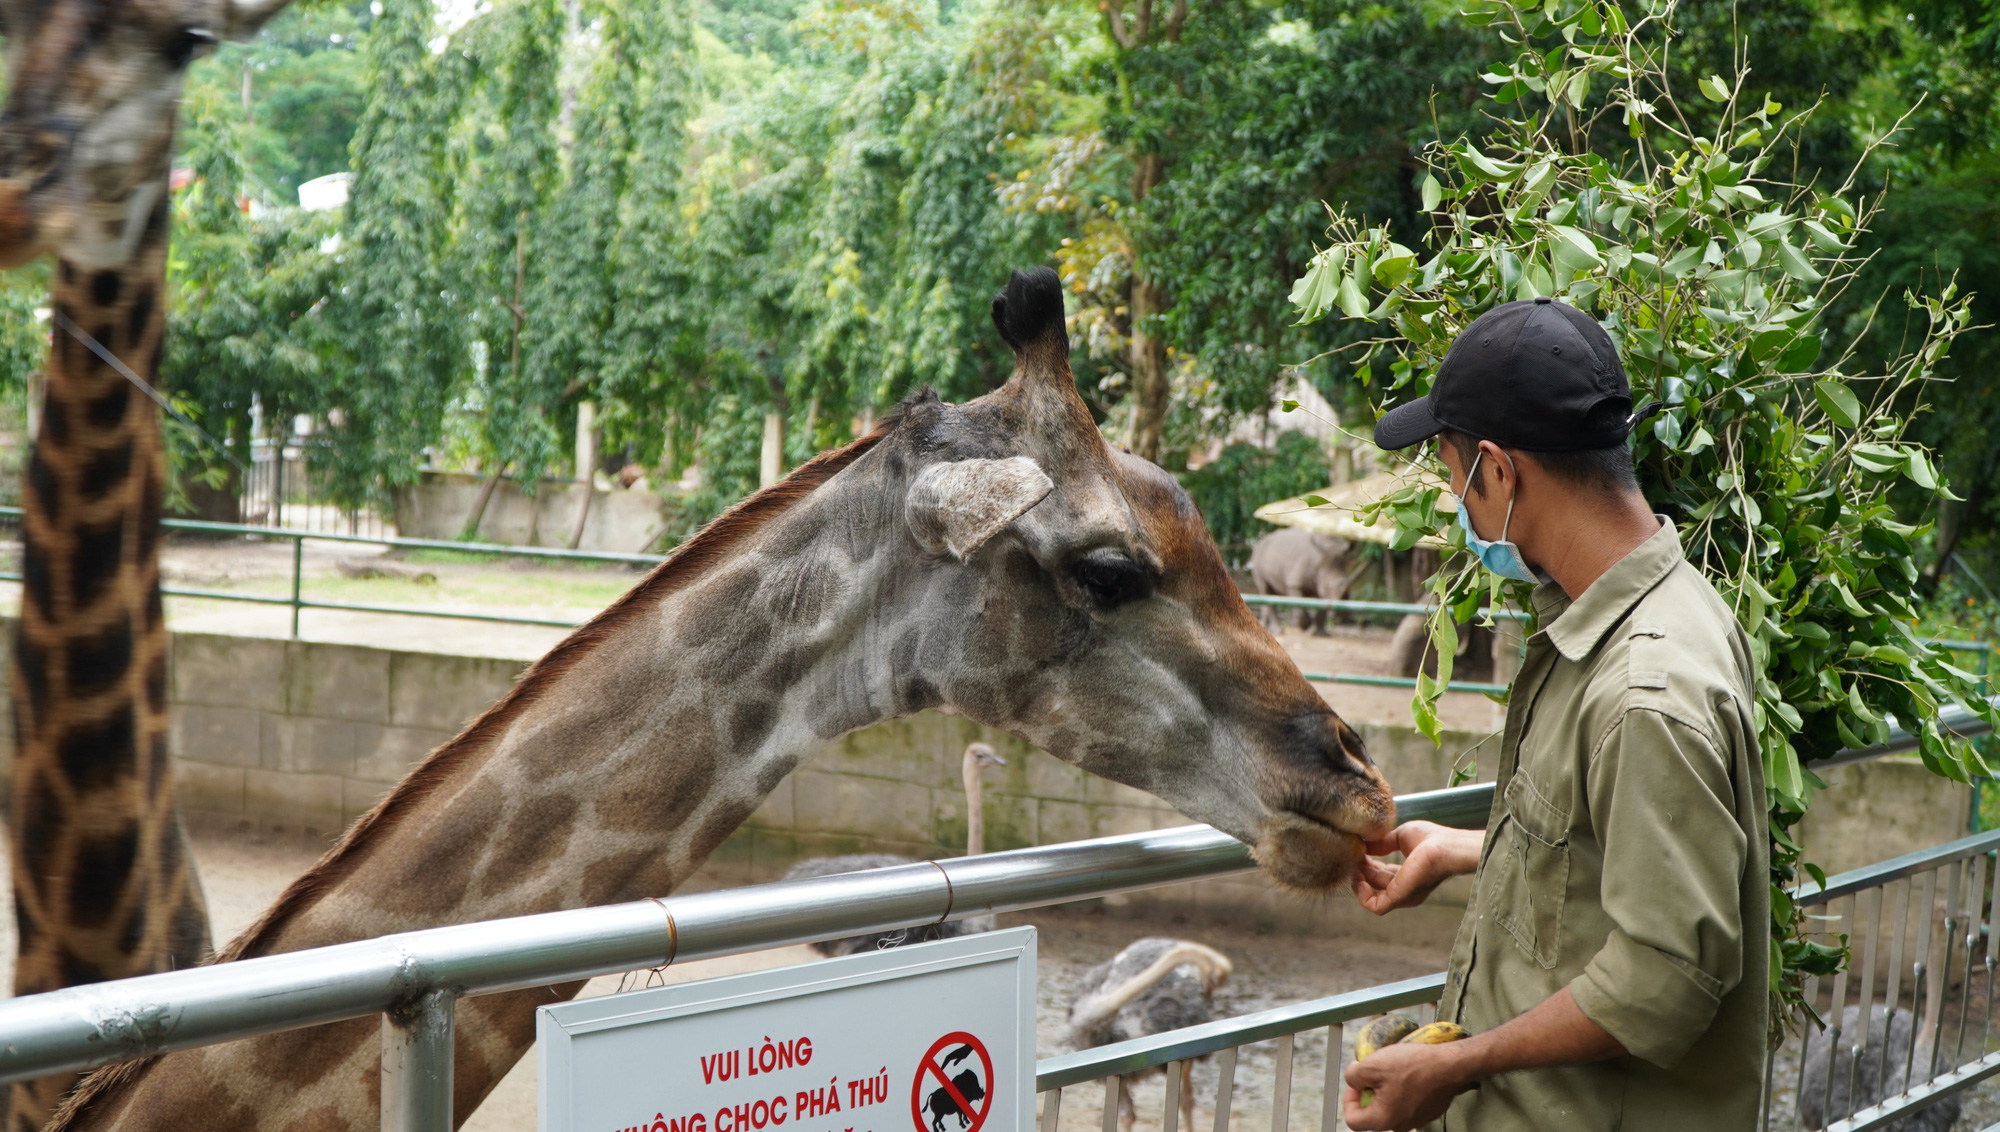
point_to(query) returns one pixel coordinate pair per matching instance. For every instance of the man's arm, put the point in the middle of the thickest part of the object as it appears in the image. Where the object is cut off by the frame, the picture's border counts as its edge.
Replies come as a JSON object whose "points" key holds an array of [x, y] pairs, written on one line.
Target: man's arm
{"points": [[1414, 1084]]}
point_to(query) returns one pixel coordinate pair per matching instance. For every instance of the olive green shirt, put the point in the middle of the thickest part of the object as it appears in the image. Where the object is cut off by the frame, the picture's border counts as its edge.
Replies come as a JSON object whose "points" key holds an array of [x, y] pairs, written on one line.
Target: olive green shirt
{"points": [[1625, 859]]}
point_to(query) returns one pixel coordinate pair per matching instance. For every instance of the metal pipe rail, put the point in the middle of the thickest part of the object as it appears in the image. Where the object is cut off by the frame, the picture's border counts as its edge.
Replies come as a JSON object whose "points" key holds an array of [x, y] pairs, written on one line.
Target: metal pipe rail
{"points": [[1940, 871], [412, 978], [86, 1026]]}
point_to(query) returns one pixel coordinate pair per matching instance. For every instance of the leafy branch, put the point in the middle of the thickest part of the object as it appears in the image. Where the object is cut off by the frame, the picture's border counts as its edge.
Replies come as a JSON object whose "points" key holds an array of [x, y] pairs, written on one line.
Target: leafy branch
{"points": [[1678, 226]]}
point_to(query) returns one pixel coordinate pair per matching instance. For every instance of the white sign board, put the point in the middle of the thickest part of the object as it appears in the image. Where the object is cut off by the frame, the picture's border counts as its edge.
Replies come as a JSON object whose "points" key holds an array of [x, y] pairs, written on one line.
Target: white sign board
{"points": [[933, 1037]]}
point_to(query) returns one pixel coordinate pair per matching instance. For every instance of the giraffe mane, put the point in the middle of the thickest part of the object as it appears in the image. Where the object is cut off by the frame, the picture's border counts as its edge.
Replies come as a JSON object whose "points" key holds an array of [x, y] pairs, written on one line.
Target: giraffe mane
{"points": [[689, 562]]}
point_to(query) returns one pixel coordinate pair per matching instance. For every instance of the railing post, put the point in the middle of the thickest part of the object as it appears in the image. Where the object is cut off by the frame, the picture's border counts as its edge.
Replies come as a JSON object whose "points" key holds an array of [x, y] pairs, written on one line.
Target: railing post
{"points": [[298, 575], [416, 1065]]}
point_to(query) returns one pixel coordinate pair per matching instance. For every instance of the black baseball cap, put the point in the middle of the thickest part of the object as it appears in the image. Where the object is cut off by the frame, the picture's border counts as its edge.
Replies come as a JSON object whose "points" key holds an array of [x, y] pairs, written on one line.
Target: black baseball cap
{"points": [[1535, 374]]}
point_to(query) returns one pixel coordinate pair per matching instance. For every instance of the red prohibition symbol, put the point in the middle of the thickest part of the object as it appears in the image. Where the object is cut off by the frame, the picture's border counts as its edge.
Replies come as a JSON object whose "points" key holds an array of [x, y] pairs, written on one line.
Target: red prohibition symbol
{"points": [[949, 1095]]}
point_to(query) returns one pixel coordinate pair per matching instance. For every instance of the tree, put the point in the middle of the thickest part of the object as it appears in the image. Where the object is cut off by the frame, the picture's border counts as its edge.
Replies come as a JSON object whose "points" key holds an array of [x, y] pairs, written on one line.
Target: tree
{"points": [[399, 325], [1713, 270]]}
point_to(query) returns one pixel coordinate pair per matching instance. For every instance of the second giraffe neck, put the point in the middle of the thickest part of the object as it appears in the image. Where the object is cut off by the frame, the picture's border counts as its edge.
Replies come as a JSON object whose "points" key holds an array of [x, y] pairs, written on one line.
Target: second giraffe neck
{"points": [[103, 887]]}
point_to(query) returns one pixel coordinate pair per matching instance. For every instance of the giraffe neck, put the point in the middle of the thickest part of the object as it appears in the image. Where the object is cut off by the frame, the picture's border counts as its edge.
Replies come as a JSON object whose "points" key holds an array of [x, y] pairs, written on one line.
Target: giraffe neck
{"points": [[103, 884], [611, 772]]}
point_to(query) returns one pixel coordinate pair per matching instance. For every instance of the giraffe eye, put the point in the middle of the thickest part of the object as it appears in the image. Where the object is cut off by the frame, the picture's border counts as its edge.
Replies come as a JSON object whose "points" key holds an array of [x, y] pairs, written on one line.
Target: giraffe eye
{"points": [[188, 43], [1111, 579]]}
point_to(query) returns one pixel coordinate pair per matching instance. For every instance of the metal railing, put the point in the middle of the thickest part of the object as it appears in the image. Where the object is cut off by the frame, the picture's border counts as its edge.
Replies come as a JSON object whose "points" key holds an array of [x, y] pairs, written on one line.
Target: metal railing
{"points": [[297, 600], [414, 979], [1119, 1065], [1931, 1068], [1917, 927]]}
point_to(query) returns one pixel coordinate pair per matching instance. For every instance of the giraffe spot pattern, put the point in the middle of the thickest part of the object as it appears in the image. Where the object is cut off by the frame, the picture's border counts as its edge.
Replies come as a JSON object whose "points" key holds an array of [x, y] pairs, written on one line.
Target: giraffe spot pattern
{"points": [[443, 845], [55, 414], [609, 880], [100, 859], [31, 660], [35, 578], [78, 971], [99, 753], [720, 824], [141, 315], [45, 815], [95, 560], [107, 409], [641, 795], [156, 682], [104, 287], [97, 663], [158, 760], [537, 832], [750, 721], [188, 936], [134, 932], [42, 481]]}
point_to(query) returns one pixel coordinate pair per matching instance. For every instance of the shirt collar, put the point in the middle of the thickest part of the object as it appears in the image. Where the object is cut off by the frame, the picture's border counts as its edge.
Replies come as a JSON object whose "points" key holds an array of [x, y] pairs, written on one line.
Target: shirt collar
{"points": [[1578, 626]]}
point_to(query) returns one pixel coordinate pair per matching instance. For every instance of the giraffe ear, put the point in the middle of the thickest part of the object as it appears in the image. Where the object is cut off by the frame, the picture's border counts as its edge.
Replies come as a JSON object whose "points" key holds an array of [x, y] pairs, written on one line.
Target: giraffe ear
{"points": [[957, 506]]}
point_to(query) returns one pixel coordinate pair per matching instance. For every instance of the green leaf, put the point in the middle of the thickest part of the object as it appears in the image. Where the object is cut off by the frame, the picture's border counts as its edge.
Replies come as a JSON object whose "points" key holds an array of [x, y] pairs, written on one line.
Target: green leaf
{"points": [[1581, 243], [1484, 168], [1394, 265], [1800, 354], [1838, 402], [1681, 262], [1795, 263], [1353, 299], [1920, 470], [1822, 238], [1314, 500], [1433, 193], [1715, 89]]}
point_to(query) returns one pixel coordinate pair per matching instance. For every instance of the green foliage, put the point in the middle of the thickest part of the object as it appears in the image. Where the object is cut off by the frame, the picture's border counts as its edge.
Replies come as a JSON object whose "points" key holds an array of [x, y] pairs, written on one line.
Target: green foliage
{"points": [[1244, 477], [1712, 268]]}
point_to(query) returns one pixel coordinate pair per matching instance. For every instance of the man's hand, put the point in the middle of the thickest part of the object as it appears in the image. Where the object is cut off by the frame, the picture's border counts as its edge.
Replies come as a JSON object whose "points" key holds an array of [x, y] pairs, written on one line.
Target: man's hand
{"points": [[1432, 854], [1413, 1085]]}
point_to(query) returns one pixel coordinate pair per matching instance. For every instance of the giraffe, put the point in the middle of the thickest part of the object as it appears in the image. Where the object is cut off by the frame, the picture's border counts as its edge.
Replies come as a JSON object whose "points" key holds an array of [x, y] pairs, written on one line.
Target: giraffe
{"points": [[996, 560], [103, 884]]}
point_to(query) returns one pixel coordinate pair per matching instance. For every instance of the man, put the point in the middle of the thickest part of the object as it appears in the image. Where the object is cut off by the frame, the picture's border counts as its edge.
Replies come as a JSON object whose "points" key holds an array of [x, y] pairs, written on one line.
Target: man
{"points": [[1612, 964]]}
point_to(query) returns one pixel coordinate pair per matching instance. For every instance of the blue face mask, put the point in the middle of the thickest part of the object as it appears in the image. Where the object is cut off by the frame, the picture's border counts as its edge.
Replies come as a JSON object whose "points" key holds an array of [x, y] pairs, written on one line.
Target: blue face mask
{"points": [[1499, 556]]}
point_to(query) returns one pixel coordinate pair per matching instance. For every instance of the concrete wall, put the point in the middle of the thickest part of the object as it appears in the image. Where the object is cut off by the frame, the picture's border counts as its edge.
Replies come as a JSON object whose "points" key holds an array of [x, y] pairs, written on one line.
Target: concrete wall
{"points": [[624, 521], [295, 739]]}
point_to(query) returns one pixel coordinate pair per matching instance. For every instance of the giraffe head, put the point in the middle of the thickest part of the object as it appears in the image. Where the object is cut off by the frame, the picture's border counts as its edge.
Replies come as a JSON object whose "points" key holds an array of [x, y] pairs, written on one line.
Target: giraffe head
{"points": [[86, 140], [1071, 594]]}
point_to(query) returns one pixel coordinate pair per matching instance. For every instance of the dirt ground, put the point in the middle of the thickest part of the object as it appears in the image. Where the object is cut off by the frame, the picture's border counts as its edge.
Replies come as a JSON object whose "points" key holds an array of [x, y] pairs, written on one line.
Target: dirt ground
{"points": [[242, 875]]}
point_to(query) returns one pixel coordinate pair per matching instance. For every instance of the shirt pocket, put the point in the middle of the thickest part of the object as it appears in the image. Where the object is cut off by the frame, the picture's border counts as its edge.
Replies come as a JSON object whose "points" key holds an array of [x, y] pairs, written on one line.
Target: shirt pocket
{"points": [[1534, 879]]}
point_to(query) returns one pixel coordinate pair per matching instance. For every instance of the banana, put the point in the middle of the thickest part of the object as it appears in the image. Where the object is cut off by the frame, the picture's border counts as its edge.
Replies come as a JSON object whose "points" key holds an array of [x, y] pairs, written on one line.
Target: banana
{"points": [[1394, 1029], [1435, 1034], [1384, 1031]]}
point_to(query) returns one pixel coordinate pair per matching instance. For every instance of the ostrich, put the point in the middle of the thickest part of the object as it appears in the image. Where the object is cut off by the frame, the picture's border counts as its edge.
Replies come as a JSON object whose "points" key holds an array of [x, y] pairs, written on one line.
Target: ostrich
{"points": [[1867, 1075], [1152, 986], [978, 756]]}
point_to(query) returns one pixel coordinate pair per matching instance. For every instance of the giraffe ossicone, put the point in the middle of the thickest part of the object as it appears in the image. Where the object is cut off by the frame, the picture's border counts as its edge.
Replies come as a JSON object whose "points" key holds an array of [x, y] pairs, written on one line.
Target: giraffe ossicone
{"points": [[1098, 623]]}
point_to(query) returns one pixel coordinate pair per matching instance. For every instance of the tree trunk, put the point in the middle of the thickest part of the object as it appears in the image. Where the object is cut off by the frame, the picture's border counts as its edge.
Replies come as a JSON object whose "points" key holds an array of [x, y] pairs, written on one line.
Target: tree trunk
{"points": [[1149, 373], [471, 531], [586, 465], [1148, 353], [771, 462]]}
